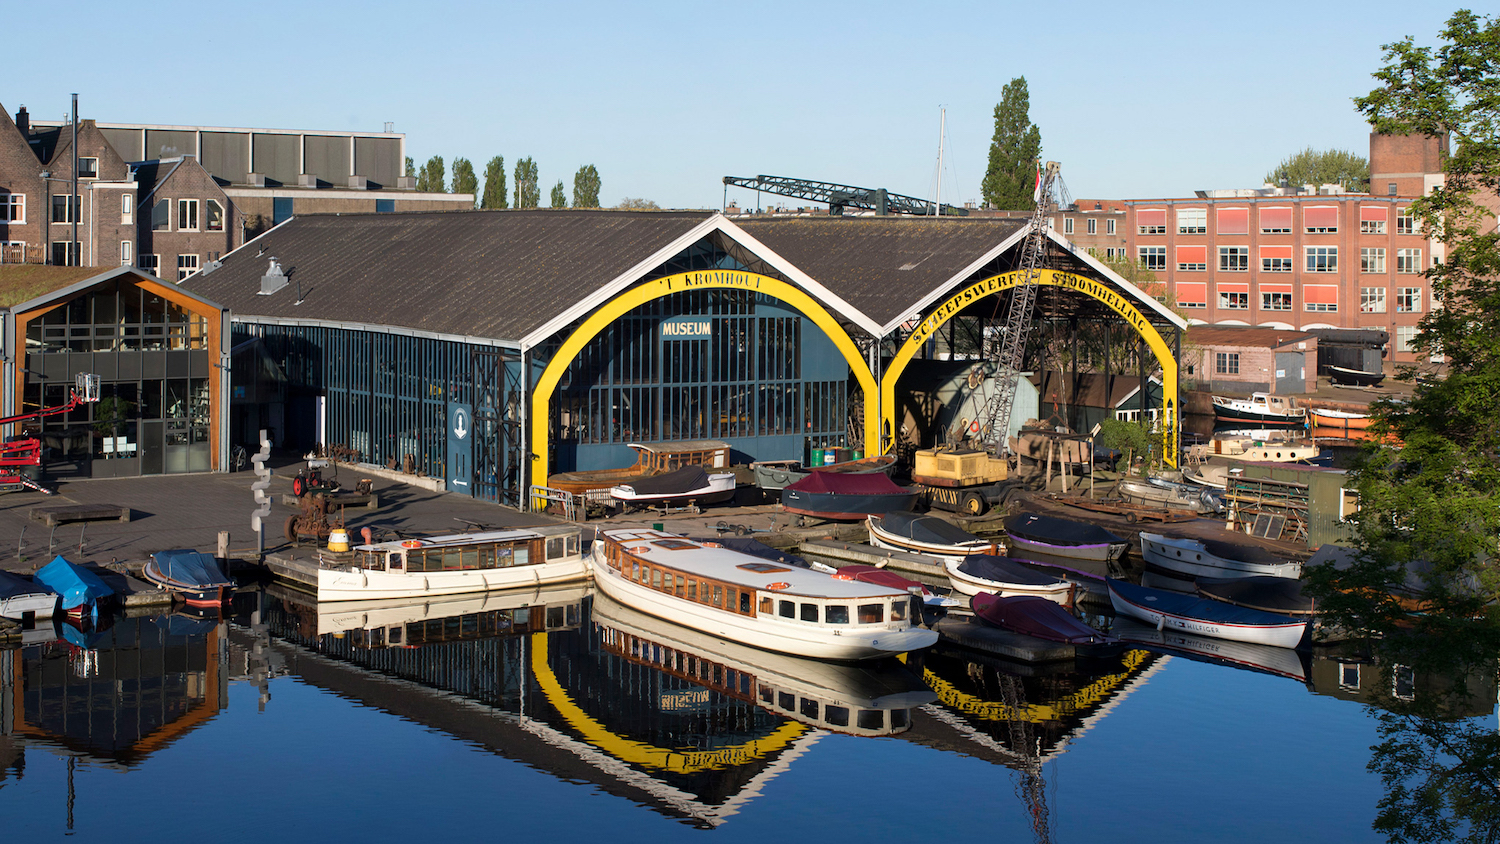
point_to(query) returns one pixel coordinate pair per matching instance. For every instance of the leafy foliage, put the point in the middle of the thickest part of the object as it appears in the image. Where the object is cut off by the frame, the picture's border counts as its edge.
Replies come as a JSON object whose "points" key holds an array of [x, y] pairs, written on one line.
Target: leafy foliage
{"points": [[528, 189], [1323, 167], [411, 167], [1128, 438], [633, 204], [432, 177], [1010, 178], [494, 184], [586, 187], [559, 195], [464, 180]]}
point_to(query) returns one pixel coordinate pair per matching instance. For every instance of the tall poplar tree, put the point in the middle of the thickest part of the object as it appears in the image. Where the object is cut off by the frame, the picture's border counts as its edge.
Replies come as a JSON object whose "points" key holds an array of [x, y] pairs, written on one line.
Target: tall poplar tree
{"points": [[432, 178], [1010, 178], [586, 187], [494, 184], [559, 195], [528, 189], [464, 180]]}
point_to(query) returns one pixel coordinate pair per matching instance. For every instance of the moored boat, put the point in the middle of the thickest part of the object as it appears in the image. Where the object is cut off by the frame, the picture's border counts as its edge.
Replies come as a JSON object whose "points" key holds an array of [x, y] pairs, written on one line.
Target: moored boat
{"points": [[1194, 558], [80, 589], [651, 459], [688, 485], [886, 577], [454, 564], [1260, 408], [1005, 577], [194, 575], [1354, 377], [775, 475], [1205, 616], [1156, 492], [1035, 616], [1060, 537], [22, 598], [1259, 592], [831, 495], [903, 530], [752, 601]]}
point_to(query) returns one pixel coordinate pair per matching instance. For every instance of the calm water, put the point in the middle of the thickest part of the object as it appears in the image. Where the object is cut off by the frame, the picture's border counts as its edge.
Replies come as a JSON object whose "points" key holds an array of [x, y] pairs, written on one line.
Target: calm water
{"points": [[558, 716]]}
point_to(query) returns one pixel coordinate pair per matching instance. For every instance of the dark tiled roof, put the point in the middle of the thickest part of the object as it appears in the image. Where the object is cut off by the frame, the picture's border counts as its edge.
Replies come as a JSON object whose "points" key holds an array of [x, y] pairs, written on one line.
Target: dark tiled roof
{"points": [[881, 265], [493, 274], [1244, 335]]}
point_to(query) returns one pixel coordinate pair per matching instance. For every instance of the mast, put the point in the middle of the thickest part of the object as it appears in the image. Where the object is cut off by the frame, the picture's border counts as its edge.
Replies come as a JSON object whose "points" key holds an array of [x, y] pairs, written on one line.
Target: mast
{"points": [[937, 207]]}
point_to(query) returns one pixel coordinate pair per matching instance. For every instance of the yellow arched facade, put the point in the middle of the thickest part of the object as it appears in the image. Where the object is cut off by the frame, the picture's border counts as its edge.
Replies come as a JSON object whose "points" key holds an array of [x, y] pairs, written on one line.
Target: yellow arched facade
{"points": [[541, 428], [1092, 288]]}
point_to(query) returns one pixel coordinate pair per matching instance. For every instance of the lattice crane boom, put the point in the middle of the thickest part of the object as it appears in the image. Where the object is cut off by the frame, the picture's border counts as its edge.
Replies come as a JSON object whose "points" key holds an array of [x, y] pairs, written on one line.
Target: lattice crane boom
{"points": [[838, 197]]}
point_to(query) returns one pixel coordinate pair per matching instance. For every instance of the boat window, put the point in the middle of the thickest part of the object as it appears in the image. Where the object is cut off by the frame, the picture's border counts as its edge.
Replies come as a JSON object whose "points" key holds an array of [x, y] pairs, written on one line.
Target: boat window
{"points": [[898, 609], [762, 568], [394, 561], [692, 590], [635, 570], [468, 558], [810, 708], [554, 547], [788, 609], [871, 613], [836, 614], [786, 701], [898, 718], [718, 595], [674, 544], [656, 578], [745, 603], [810, 613], [519, 555], [766, 606], [837, 716], [767, 695], [871, 719], [681, 584], [572, 544], [730, 598]]}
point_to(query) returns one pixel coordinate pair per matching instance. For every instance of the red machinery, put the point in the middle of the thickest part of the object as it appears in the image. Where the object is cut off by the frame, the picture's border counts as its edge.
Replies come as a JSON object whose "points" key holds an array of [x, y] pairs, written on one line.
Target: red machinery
{"points": [[19, 455]]}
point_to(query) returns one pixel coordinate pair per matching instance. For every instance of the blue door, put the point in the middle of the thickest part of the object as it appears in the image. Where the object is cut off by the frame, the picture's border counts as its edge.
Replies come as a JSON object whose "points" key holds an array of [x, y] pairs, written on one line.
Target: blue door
{"points": [[460, 449]]}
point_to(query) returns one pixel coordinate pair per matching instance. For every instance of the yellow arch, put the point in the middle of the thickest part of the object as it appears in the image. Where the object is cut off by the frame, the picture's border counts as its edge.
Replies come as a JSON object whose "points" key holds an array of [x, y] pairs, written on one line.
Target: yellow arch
{"points": [[708, 279], [1080, 284], [640, 753]]}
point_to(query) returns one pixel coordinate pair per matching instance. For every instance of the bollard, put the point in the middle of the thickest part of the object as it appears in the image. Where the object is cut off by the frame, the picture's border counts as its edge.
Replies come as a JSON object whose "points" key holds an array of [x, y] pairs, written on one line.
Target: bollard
{"points": [[223, 553]]}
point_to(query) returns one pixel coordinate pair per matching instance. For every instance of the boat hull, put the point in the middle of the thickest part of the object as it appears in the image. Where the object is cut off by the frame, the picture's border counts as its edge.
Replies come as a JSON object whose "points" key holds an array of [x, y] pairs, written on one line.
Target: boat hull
{"points": [[1188, 559], [362, 584], [1050, 536], [1354, 377], [774, 476], [1058, 592], [1137, 604], [843, 506], [881, 538], [38, 605]]}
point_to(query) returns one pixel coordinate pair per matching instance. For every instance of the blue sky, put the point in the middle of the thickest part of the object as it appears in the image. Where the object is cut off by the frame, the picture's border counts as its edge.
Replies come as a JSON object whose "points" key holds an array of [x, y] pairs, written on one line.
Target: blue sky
{"points": [[665, 98]]}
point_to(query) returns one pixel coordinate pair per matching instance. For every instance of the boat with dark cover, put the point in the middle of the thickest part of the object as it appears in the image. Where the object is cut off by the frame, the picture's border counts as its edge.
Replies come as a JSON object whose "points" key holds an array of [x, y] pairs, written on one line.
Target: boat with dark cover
{"points": [[1354, 377], [1063, 537], [688, 484], [1270, 594], [22, 597], [832, 495], [1037, 617], [194, 575], [1005, 576], [776, 475], [1205, 616], [903, 530]]}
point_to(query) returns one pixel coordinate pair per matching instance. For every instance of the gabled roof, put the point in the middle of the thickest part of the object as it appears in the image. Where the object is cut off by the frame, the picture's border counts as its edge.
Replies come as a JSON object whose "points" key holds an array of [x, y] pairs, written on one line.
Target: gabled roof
{"points": [[78, 279], [1245, 335]]}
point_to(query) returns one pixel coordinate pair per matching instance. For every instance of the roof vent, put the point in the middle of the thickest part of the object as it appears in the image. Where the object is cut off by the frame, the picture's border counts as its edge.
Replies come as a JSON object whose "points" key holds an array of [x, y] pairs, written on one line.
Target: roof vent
{"points": [[273, 280]]}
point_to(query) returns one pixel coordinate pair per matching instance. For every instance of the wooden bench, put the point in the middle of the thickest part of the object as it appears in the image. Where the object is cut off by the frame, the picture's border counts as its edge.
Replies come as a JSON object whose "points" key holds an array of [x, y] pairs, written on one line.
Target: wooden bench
{"points": [[59, 513]]}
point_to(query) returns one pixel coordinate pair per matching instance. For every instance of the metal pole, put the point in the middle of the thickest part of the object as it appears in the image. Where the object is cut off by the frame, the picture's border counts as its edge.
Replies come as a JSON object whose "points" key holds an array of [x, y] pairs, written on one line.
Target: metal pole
{"points": [[75, 259], [937, 208]]}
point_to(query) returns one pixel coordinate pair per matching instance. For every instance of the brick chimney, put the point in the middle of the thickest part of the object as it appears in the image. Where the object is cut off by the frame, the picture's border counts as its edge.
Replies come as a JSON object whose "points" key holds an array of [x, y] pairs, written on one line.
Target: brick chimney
{"points": [[23, 121]]}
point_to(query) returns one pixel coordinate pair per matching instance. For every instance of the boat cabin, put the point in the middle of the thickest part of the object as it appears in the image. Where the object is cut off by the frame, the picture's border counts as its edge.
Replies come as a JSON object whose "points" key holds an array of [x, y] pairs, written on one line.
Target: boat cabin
{"points": [[471, 551]]}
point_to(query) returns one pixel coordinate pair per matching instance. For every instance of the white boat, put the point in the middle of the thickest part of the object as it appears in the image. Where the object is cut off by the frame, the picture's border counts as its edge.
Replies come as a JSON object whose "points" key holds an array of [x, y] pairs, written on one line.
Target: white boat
{"points": [[22, 598], [1006, 578], [753, 601], [1205, 616], [903, 530], [1215, 475], [1264, 450], [1262, 408], [1193, 558], [688, 485], [858, 700], [1283, 662], [455, 564]]}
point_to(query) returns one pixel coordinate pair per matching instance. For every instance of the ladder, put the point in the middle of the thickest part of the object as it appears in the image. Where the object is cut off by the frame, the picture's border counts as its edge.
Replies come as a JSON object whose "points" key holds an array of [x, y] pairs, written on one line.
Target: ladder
{"points": [[1008, 349]]}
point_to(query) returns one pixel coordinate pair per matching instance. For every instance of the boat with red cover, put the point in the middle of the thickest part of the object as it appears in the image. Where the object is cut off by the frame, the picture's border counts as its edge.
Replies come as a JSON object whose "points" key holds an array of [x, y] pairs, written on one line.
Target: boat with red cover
{"points": [[832, 495], [886, 577], [1035, 616]]}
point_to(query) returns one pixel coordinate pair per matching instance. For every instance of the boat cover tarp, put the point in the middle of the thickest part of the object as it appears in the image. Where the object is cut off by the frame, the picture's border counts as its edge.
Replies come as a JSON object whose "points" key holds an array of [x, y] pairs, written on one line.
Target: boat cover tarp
{"points": [[77, 585], [1003, 570], [1035, 616], [12, 585], [927, 529], [193, 568], [85, 639], [755, 548], [1272, 594], [1192, 606], [677, 482], [881, 577], [1057, 531], [839, 483]]}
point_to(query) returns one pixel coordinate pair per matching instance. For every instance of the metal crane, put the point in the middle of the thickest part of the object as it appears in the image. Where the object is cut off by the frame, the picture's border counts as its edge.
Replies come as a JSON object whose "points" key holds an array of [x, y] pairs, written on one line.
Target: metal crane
{"points": [[838, 197]]}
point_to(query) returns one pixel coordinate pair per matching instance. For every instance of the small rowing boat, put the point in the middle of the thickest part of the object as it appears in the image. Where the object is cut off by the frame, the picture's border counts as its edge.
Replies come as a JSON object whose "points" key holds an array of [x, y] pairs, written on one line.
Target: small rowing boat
{"points": [[81, 590], [1204, 616], [22, 598], [1193, 558], [193, 575], [1060, 537], [688, 485], [903, 530], [1354, 377], [775, 475], [1004, 576], [1037, 617]]}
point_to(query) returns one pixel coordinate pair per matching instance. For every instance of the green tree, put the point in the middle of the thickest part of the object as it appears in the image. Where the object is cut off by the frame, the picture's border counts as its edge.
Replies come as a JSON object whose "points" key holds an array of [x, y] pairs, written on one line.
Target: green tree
{"points": [[432, 177], [1010, 179], [463, 177], [411, 167], [1436, 500], [1323, 167], [494, 184], [528, 189], [559, 195], [1128, 438], [586, 187], [633, 204]]}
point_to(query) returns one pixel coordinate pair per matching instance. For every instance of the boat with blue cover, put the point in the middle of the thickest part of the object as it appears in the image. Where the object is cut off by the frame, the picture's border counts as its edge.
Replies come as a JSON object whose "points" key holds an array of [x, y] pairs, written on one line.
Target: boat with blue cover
{"points": [[1205, 616], [194, 575], [81, 589]]}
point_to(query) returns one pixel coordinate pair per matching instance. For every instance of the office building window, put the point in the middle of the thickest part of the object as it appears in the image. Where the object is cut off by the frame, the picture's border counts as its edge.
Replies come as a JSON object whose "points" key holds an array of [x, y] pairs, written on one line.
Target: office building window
{"points": [[1408, 300], [1321, 219], [1227, 363], [1276, 301], [1390, 188], [1192, 220], [1276, 220], [1372, 220], [1371, 259], [1405, 222], [1408, 260], [1093, 226], [1153, 257], [1322, 259], [1323, 298], [1192, 258], [1372, 300], [1151, 221], [1234, 259], [1406, 338], [12, 207], [1234, 301]]}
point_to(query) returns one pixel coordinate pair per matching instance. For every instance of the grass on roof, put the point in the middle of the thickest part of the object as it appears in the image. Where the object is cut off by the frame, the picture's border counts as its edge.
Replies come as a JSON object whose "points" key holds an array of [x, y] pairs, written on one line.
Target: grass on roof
{"points": [[24, 282]]}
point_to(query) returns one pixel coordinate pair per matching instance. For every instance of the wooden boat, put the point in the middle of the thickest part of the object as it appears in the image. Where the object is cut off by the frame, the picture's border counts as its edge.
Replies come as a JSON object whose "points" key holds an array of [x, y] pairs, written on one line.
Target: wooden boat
{"points": [[1354, 377], [886, 577], [1344, 420], [1194, 558], [454, 564], [1155, 492], [1060, 537], [81, 590], [1005, 577], [830, 495], [688, 485], [193, 575], [1205, 617], [752, 601], [1266, 450], [24, 599], [903, 530], [866, 700], [1259, 592], [1037, 617], [1282, 662], [778, 474], [651, 459], [1260, 408]]}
